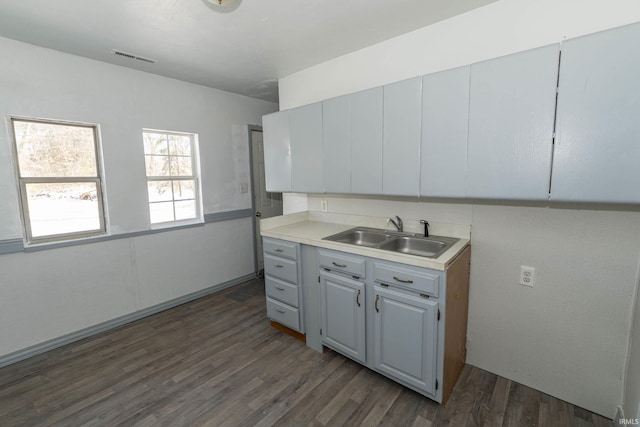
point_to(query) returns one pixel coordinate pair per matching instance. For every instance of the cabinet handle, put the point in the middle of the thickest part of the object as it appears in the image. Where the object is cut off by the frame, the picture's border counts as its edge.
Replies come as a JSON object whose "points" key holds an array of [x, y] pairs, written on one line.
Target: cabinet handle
{"points": [[278, 265], [377, 298], [279, 310], [277, 250], [338, 265], [401, 280], [280, 288], [358, 298]]}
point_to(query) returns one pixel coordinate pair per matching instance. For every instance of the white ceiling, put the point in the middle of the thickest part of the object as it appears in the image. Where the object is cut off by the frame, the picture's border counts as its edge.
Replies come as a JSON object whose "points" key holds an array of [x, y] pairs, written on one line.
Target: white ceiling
{"points": [[244, 51]]}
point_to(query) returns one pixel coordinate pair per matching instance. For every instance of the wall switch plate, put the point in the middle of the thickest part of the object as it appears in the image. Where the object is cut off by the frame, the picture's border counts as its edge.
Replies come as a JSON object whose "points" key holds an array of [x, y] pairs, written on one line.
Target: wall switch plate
{"points": [[527, 276], [324, 205], [244, 188]]}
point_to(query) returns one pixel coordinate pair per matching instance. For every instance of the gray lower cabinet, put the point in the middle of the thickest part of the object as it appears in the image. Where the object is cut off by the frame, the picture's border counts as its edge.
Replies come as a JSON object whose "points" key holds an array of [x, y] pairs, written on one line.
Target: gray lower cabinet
{"points": [[282, 274], [597, 150], [391, 317], [343, 315], [405, 337]]}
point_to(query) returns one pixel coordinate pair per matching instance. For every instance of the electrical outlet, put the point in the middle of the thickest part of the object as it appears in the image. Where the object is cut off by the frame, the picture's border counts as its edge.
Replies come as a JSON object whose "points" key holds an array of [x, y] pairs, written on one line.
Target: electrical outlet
{"points": [[527, 276], [324, 205]]}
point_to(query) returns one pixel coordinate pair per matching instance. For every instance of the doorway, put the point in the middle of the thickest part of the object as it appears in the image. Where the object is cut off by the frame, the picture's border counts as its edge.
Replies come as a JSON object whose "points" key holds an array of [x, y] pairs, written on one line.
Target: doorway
{"points": [[265, 204]]}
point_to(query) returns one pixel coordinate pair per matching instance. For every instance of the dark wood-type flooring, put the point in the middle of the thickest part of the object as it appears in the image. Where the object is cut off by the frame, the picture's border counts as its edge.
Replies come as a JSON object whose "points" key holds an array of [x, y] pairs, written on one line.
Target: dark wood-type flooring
{"points": [[216, 361]]}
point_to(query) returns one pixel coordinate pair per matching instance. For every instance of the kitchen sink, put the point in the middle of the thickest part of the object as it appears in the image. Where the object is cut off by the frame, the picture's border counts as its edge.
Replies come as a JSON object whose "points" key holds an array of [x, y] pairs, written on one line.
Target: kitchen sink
{"points": [[360, 237], [415, 246], [392, 241]]}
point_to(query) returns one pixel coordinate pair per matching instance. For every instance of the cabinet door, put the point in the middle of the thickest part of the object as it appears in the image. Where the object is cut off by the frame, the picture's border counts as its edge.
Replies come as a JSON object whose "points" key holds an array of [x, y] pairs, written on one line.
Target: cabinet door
{"points": [[306, 149], [343, 315], [336, 135], [366, 142], [405, 338], [401, 141], [597, 151], [445, 122], [511, 115], [277, 152]]}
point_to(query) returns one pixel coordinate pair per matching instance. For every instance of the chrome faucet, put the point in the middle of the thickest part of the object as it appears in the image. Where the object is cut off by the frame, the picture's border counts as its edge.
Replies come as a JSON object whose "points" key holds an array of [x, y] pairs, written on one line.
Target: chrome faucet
{"points": [[398, 224]]}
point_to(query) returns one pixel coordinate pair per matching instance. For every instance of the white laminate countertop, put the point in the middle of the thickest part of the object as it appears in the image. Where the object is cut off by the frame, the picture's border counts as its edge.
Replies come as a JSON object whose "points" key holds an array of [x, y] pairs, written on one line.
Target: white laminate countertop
{"points": [[310, 230]]}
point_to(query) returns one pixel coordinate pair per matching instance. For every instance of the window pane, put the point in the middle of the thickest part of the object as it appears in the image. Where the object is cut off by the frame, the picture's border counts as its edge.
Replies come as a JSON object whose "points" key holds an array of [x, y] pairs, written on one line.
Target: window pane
{"points": [[183, 190], [155, 143], [181, 166], [159, 191], [161, 212], [180, 145], [186, 209], [55, 150], [60, 208], [157, 165]]}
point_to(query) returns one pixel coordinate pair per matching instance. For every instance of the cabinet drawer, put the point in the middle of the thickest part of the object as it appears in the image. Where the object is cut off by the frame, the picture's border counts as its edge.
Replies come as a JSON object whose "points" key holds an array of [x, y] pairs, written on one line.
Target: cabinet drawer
{"points": [[407, 277], [281, 268], [338, 261], [282, 291], [283, 314], [281, 248]]}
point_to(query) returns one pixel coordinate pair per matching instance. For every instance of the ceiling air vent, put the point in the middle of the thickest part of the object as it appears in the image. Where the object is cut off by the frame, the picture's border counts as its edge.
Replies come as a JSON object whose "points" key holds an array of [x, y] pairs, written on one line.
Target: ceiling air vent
{"points": [[132, 56]]}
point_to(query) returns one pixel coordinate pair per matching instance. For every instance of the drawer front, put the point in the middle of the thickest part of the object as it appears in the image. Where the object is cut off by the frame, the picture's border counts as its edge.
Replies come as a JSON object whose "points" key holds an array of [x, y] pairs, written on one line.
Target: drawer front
{"points": [[283, 314], [282, 291], [407, 277], [280, 248], [344, 263], [281, 268]]}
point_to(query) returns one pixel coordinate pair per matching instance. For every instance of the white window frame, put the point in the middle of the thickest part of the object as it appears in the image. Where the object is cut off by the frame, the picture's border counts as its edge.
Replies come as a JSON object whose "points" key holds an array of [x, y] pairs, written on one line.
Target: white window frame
{"points": [[195, 169], [24, 181]]}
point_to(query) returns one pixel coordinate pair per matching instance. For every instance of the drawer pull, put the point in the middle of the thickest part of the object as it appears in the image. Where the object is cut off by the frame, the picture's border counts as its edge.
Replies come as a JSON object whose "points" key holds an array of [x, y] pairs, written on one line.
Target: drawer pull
{"points": [[358, 298], [402, 280], [277, 250], [377, 298], [338, 265], [279, 310], [278, 265], [280, 288]]}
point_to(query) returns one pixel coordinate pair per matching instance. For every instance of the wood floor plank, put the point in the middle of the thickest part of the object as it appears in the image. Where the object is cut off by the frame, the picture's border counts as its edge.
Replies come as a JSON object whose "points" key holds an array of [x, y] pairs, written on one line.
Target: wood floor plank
{"points": [[217, 362], [498, 402]]}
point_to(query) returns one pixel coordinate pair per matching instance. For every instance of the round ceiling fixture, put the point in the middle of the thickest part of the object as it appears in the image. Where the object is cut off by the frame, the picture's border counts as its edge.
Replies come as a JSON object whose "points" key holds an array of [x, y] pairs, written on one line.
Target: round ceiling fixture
{"points": [[223, 6]]}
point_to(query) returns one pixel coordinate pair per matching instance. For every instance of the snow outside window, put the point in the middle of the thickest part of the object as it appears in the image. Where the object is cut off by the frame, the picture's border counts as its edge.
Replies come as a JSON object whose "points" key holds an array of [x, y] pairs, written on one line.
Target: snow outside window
{"points": [[60, 180], [172, 178]]}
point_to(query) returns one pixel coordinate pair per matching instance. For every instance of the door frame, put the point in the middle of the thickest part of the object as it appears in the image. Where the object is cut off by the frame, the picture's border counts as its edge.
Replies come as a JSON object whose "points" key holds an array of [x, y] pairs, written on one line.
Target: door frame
{"points": [[250, 129]]}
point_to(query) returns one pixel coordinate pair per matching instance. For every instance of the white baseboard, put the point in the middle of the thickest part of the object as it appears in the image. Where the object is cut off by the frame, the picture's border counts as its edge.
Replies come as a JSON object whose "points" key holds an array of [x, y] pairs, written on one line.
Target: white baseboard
{"points": [[28, 352]]}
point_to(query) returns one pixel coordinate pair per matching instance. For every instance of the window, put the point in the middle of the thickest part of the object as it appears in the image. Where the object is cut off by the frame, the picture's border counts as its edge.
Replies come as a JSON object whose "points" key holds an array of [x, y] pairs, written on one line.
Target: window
{"points": [[172, 183], [59, 177]]}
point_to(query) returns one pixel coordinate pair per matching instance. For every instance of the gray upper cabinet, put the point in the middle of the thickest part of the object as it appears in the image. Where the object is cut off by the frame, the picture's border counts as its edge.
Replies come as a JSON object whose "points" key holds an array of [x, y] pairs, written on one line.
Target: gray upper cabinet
{"points": [[597, 150], [401, 140], [511, 116], [336, 135], [366, 141], [305, 127], [445, 120], [277, 152]]}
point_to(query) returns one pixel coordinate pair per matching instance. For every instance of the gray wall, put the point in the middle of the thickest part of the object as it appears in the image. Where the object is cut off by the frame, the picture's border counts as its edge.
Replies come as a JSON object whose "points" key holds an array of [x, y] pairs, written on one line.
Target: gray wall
{"points": [[51, 293]]}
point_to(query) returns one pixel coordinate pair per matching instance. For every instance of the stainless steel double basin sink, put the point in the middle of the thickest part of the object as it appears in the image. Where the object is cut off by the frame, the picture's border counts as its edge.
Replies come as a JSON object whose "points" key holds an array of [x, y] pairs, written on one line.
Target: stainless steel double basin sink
{"points": [[393, 241]]}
